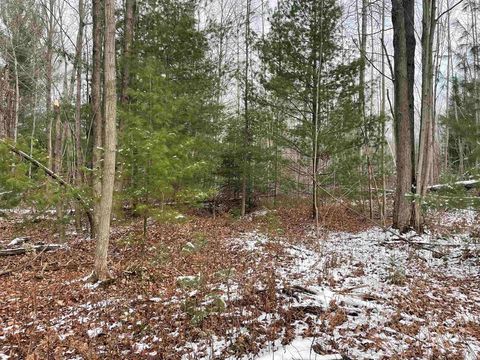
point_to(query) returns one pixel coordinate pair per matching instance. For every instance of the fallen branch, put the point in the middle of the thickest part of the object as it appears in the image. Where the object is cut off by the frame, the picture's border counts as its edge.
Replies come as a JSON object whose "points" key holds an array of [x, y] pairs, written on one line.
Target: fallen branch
{"points": [[467, 184], [386, 229], [416, 244], [57, 178], [24, 250], [24, 265]]}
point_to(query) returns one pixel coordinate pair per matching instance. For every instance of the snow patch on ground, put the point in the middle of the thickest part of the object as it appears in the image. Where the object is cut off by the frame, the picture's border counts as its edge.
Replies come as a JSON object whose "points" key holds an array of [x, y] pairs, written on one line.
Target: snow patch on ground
{"points": [[298, 349], [366, 276], [94, 332], [368, 295], [467, 217]]}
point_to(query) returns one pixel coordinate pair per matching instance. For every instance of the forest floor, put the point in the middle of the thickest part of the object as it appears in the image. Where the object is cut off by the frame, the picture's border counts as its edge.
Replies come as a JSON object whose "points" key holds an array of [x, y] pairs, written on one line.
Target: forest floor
{"points": [[263, 287]]}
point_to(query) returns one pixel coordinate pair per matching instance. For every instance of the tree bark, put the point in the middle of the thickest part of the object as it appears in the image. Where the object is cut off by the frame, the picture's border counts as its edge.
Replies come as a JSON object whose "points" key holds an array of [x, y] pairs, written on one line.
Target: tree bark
{"points": [[425, 153], [247, 130], [77, 169], [48, 78], [449, 64], [127, 46], [101, 272], [411, 44], [3, 102], [384, 119], [97, 119], [402, 12], [78, 100], [57, 167]]}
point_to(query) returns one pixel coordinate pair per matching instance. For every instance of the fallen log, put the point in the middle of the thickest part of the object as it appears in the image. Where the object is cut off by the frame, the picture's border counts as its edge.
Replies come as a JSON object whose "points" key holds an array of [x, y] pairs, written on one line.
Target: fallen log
{"points": [[18, 241], [24, 250], [467, 184]]}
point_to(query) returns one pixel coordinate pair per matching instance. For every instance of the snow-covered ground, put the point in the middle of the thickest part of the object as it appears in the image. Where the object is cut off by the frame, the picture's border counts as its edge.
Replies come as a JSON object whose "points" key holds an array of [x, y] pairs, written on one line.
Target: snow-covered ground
{"points": [[379, 296], [367, 295]]}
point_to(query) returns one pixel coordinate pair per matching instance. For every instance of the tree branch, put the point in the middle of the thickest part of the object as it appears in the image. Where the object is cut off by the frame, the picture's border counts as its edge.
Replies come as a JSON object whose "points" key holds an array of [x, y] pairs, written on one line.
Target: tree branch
{"points": [[56, 177]]}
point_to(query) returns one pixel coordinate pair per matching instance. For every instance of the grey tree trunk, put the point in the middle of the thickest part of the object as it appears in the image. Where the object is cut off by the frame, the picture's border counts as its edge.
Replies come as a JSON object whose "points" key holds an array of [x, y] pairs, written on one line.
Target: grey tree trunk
{"points": [[48, 78], [3, 102], [362, 98], [34, 115], [476, 67], [383, 116], [402, 12], [127, 46], [101, 272], [77, 169], [78, 99], [97, 118], [57, 166], [449, 64], [425, 153], [247, 130]]}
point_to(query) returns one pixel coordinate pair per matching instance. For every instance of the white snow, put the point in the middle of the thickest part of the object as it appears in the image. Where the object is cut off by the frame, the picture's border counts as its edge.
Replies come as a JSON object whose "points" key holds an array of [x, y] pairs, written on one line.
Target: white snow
{"points": [[18, 241], [94, 332], [355, 271], [367, 276], [298, 349]]}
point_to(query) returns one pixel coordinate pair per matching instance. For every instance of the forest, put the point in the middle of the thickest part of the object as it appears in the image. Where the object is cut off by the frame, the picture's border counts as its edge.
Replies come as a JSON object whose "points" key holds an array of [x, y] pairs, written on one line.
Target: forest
{"points": [[240, 179]]}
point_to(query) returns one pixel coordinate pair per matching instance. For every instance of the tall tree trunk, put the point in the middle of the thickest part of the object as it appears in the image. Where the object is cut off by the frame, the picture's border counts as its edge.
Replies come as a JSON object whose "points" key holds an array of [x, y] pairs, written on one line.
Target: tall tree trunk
{"points": [[97, 119], [411, 44], [57, 166], [456, 97], [449, 64], [128, 31], [127, 46], [17, 95], [424, 165], [317, 66], [476, 68], [362, 97], [3, 102], [402, 17], [7, 104], [77, 171], [384, 119], [78, 99], [48, 80], [34, 116], [247, 130], [101, 272]]}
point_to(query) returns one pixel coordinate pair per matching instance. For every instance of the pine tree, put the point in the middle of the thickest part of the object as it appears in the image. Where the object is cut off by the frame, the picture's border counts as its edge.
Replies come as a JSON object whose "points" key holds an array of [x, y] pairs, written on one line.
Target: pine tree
{"points": [[308, 77], [169, 119]]}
